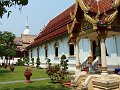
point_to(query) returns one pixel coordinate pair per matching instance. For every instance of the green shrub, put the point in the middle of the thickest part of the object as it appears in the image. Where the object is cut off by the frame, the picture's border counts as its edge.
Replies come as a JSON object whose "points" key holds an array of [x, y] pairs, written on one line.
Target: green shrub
{"points": [[26, 60], [20, 62], [32, 61], [63, 57], [57, 73], [38, 62], [52, 72]]}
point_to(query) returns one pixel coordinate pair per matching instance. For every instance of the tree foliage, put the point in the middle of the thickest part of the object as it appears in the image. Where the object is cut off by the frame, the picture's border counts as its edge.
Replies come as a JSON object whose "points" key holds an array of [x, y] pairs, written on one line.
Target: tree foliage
{"points": [[5, 4], [57, 73], [7, 45], [32, 61], [20, 62]]}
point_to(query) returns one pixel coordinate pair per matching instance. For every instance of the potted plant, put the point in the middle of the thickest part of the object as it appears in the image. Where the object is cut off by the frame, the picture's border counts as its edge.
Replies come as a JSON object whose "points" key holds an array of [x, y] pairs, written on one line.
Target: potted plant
{"points": [[5, 66], [12, 67], [27, 74]]}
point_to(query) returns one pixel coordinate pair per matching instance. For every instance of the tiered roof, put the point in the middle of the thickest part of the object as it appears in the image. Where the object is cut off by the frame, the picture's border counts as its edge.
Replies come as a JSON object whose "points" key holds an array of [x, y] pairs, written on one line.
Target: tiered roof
{"points": [[56, 27], [101, 5]]}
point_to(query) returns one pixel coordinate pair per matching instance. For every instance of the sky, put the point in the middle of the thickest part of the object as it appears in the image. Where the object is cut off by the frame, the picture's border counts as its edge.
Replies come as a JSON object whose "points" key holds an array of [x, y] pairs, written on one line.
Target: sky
{"points": [[39, 13]]}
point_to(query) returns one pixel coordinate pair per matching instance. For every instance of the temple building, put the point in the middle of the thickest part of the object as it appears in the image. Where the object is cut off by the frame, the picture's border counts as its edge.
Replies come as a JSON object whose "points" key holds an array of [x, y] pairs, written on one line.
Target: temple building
{"points": [[55, 40], [88, 34], [22, 42]]}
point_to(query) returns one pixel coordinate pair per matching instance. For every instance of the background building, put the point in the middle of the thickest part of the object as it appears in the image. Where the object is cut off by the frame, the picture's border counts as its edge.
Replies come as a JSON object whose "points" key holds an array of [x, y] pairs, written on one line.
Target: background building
{"points": [[22, 42]]}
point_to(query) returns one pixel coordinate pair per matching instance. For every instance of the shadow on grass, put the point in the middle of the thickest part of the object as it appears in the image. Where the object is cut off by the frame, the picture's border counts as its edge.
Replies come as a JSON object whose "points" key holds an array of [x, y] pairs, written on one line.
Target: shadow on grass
{"points": [[4, 71], [47, 87], [40, 87]]}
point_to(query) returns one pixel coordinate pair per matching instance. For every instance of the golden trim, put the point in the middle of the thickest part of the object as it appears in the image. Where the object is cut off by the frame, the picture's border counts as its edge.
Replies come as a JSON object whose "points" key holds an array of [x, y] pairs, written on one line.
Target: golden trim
{"points": [[112, 17], [116, 3], [69, 30], [83, 7], [91, 20]]}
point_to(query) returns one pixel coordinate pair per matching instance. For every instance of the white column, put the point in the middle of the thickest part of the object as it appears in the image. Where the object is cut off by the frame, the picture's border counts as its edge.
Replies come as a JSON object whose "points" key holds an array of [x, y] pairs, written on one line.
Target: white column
{"points": [[104, 74], [77, 57]]}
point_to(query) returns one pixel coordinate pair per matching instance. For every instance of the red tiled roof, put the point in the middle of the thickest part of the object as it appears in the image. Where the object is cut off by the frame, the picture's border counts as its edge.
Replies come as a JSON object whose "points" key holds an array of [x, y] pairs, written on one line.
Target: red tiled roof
{"points": [[55, 27], [26, 38], [23, 41], [18, 40], [103, 5]]}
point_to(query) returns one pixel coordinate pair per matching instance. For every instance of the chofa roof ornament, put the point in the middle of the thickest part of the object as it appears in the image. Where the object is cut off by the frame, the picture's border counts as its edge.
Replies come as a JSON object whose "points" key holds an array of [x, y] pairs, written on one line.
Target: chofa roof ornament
{"points": [[99, 12], [116, 3]]}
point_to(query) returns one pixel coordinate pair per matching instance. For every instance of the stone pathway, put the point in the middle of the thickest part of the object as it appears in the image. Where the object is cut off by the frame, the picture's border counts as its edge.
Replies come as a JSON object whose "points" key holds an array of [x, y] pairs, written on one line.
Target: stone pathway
{"points": [[11, 82]]}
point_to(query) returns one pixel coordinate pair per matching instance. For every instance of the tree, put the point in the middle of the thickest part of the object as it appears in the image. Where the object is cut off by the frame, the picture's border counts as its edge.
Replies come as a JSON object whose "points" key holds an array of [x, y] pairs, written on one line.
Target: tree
{"points": [[2, 49], [1, 39], [8, 45], [5, 4]]}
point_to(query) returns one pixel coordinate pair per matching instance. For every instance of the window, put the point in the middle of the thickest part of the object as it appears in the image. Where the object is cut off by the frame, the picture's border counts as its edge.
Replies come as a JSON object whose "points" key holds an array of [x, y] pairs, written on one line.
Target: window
{"points": [[46, 51], [71, 49], [56, 49]]}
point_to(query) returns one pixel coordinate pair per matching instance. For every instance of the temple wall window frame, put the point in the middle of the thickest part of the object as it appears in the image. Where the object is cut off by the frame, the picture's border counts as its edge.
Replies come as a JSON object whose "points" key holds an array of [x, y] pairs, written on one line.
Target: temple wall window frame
{"points": [[71, 49], [56, 49]]}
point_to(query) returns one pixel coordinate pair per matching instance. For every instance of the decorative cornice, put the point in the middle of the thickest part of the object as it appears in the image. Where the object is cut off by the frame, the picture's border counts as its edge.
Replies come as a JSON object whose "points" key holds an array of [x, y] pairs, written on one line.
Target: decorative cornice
{"points": [[83, 7], [116, 3], [112, 17], [74, 29], [95, 13]]}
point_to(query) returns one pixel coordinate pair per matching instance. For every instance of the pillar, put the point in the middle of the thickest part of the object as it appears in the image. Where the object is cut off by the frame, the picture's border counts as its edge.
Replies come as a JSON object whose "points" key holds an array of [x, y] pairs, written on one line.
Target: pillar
{"points": [[103, 56], [102, 36], [91, 53], [77, 57]]}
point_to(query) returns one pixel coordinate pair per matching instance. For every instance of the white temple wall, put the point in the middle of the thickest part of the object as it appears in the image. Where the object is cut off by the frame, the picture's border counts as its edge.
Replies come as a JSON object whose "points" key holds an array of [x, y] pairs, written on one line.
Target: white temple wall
{"points": [[112, 45], [113, 49], [63, 48], [34, 54], [85, 49]]}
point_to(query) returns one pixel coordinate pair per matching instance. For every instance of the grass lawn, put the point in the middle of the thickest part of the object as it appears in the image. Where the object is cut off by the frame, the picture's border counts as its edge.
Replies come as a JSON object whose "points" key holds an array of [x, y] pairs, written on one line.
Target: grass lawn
{"points": [[37, 85], [18, 74], [6, 75]]}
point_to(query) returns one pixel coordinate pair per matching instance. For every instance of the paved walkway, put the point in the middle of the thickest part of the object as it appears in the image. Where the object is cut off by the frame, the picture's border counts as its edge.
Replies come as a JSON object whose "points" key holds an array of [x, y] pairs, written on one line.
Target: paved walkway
{"points": [[11, 82]]}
